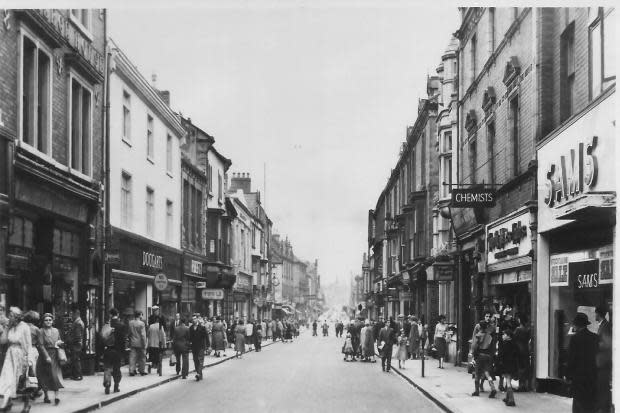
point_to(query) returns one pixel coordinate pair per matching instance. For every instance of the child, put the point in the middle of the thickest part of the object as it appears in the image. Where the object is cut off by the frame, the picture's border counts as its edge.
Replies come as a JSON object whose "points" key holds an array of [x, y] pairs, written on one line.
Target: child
{"points": [[509, 356], [403, 343], [347, 348]]}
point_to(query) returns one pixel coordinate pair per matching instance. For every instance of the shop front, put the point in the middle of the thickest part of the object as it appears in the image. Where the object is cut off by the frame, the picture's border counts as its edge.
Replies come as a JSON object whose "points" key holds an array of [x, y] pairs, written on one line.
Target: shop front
{"points": [[242, 295], [509, 261], [146, 274], [194, 282], [576, 231]]}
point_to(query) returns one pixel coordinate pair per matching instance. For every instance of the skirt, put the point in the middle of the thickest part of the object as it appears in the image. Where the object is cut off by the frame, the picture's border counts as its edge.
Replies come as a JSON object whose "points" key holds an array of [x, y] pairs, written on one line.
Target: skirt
{"points": [[440, 346], [240, 343], [49, 374], [12, 368]]}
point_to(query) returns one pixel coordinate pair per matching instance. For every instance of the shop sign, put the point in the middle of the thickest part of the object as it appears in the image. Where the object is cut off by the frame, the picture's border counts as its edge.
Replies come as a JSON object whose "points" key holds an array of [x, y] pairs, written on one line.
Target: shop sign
{"points": [[443, 272], [201, 284], [196, 267], [113, 257], [509, 239], [243, 283], [152, 261], [74, 37], [160, 281], [584, 274], [473, 198], [212, 294]]}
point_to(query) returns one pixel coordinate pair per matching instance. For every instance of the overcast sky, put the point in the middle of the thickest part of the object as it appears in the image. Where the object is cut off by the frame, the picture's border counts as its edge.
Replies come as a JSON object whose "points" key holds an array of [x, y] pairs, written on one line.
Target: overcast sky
{"points": [[321, 93]]}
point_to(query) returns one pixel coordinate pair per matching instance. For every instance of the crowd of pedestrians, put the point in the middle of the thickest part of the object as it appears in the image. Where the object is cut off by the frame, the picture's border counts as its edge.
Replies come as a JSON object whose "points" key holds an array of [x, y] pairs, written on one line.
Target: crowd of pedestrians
{"points": [[33, 353]]}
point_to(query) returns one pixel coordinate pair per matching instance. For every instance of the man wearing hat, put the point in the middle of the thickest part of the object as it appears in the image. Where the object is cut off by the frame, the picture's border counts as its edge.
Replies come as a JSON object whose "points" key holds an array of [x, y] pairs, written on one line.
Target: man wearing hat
{"points": [[581, 368]]}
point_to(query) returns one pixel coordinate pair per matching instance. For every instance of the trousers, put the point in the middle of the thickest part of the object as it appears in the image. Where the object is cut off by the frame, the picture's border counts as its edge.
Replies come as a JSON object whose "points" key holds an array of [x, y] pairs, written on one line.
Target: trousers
{"points": [[137, 354], [199, 358], [386, 358], [182, 362], [76, 364], [111, 367]]}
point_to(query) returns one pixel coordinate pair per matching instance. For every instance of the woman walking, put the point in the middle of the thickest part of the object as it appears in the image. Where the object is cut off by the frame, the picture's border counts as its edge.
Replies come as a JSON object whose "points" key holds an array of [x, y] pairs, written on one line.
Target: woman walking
{"points": [[509, 356], [16, 359], [401, 355], [219, 337], [414, 338], [48, 366], [440, 339], [239, 339]]}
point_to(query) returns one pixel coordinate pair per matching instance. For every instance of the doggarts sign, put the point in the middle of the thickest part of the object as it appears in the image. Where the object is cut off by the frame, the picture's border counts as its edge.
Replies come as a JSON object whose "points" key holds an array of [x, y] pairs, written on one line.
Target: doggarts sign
{"points": [[473, 197]]}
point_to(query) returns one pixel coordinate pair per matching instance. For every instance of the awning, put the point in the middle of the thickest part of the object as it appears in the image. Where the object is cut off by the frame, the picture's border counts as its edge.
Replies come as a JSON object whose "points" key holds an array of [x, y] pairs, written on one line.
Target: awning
{"points": [[140, 277]]}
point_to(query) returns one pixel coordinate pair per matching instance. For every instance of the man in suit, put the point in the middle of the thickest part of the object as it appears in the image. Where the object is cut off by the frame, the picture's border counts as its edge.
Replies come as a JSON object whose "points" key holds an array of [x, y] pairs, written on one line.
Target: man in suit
{"points": [[603, 361], [199, 342], [387, 337], [581, 369], [377, 328], [137, 342], [114, 348], [77, 343], [180, 346], [175, 323]]}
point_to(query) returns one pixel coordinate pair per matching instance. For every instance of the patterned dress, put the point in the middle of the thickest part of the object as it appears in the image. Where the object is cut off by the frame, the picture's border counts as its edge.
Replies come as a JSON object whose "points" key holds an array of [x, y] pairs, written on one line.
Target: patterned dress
{"points": [[16, 359]]}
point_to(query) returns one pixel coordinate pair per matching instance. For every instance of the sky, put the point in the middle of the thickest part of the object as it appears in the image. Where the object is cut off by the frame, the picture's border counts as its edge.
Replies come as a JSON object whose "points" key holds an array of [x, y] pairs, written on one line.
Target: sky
{"points": [[315, 96]]}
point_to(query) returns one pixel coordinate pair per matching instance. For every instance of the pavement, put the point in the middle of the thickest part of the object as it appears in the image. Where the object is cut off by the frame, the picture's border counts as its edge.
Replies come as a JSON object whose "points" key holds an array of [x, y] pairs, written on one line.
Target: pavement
{"points": [[451, 388], [88, 394]]}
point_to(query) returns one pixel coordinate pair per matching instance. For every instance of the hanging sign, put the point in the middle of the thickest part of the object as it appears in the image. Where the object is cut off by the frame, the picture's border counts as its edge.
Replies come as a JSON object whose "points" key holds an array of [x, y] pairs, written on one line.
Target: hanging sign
{"points": [[473, 198], [212, 294], [161, 281]]}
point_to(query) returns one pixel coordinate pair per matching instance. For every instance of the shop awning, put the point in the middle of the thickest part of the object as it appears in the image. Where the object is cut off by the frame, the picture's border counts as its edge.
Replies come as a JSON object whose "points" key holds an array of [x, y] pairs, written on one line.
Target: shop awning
{"points": [[140, 277]]}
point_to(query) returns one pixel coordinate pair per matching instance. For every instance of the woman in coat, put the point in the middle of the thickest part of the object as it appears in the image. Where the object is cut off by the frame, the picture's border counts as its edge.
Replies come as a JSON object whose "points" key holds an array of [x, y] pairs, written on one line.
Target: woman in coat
{"points": [[239, 339], [414, 338], [219, 338], [16, 358], [367, 341], [440, 339], [48, 366]]}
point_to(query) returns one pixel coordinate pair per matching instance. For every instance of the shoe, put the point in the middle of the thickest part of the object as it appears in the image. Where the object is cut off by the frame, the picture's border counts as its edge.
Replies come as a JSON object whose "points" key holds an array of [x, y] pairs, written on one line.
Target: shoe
{"points": [[183, 377], [116, 389], [197, 377], [143, 374], [46, 400], [7, 407], [133, 374], [505, 399], [107, 391], [492, 394], [476, 394], [510, 403], [77, 378], [501, 387], [56, 401]]}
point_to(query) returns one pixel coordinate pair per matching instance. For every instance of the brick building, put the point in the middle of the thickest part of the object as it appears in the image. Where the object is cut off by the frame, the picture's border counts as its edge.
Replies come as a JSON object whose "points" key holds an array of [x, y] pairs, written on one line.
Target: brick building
{"points": [[52, 75]]}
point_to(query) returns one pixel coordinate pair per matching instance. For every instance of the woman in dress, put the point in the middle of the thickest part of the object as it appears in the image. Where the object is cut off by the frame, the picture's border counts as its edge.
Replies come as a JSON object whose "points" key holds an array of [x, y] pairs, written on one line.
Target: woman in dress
{"points": [[16, 358], [48, 366], [401, 355], [440, 339], [347, 348], [218, 334], [239, 339], [37, 350]]}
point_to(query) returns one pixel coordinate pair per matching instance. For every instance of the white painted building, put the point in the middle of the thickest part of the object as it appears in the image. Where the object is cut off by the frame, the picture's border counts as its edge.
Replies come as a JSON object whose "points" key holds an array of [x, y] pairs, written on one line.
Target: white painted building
{"points": [[144, 190]]}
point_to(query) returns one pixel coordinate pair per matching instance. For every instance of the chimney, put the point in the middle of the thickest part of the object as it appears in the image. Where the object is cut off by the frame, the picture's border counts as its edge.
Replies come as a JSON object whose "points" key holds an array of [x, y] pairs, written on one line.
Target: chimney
{"points": [[241, 180], [165, 96]]}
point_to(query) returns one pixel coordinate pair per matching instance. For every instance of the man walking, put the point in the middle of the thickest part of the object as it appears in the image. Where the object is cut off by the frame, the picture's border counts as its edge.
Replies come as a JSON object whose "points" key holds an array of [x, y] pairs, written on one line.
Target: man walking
{"points": [[581, 368], [77, 343], [114, 339], [180, 342], [387, 337], [199, 342], [137, 341]]}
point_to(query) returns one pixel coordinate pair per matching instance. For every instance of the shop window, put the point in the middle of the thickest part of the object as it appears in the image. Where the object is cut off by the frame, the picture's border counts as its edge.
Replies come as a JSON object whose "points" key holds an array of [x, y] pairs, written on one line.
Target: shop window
{"points": [[126, 201], [36, 108], [21, 233], [150, 211], [66, 243], [567, 72], [81, 127], [602, 51], [150, 144], [126, 116]]}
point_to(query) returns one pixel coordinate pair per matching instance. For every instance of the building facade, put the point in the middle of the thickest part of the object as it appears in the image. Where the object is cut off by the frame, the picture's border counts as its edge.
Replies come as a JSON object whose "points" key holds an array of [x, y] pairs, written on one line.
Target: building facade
{"points": [[52, 149], [144, 198]]}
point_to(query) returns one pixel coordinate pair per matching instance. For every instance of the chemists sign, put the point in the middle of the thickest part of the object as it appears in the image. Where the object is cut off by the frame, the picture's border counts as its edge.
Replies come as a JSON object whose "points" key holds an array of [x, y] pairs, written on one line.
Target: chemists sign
{"points": [[473, 198]]}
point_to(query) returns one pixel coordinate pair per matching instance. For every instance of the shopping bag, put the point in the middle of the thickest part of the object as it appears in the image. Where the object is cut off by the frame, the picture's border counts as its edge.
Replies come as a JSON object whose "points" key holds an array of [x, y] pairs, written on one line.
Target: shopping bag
{"points": [[173, 360], [62, 356]]}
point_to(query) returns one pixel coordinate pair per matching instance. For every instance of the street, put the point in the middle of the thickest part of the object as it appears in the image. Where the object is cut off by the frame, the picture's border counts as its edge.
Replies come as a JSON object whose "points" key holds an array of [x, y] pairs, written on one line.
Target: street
{"points": [[308, 375]]}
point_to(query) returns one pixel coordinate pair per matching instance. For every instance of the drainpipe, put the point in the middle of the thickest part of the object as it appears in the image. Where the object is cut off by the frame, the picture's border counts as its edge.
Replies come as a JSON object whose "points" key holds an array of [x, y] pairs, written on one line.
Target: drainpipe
{"points": [[106, 169]]}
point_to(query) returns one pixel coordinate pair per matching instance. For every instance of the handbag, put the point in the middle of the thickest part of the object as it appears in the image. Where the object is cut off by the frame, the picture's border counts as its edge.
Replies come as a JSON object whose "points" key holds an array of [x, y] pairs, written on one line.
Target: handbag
{"points": [[62, 356], [173, 360]]}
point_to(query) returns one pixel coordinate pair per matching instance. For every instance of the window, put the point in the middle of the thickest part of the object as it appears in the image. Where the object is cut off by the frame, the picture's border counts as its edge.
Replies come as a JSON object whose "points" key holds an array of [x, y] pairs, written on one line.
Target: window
{"points": [[169, 153], [81, 127], [219, 187], [253, 236], [169, 221], [81, 16], [198, 217], [567, 72], [126, 212], [602, 51], [126, 116], [150, 211], [491, 151], [514, 125], [187, 227], [472, 57], [472, 160], [150, 150], [36, 110], [491, 30]]}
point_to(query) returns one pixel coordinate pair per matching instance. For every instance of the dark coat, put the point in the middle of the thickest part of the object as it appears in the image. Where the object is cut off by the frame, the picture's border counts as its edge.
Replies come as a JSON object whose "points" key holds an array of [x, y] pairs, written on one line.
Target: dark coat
{"points": [[581, 368], [388, 335], [121, 340], [376, 329], [77, 335], [508, 358], [180, 339], [198, 337]]}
